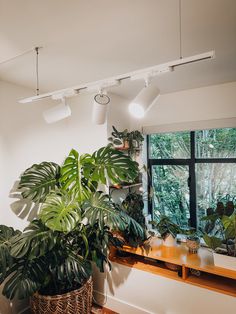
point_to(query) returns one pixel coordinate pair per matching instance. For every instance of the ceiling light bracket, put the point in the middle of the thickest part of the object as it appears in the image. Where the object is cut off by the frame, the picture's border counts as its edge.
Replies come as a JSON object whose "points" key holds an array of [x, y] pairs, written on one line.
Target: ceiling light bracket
{"points": [[152, 73], [65, 94], [102, 85]]}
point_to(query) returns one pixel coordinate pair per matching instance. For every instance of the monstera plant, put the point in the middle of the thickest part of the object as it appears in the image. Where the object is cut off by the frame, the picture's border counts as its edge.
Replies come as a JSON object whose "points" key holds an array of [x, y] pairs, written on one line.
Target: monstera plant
{"points": [[73, 227]]}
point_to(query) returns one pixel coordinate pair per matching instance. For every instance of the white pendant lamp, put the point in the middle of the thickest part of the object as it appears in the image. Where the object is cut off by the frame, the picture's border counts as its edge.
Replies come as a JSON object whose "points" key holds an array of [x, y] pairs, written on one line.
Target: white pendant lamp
{"points": [[100, 107], [57, 113], [144, 100]]}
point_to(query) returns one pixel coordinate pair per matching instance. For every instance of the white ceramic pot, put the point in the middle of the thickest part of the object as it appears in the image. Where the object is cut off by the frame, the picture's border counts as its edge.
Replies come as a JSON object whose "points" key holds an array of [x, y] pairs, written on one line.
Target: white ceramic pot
{"points": [[169, 240], [224, 261]]}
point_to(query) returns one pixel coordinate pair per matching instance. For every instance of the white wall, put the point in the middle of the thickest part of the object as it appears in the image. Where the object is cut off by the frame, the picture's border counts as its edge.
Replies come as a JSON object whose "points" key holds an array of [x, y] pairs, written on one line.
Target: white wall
{"points": [[205, 103], [2, 165], [132, 291]]}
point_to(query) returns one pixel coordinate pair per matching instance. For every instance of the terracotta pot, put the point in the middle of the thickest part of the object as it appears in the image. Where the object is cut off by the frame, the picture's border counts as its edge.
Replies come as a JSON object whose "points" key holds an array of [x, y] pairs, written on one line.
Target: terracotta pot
{"points": [[126, 144], [193, 245]]}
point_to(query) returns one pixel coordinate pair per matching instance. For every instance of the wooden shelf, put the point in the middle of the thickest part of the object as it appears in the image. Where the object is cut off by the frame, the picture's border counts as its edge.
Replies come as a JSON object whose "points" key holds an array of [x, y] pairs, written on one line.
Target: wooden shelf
{"points": [[128, 186], [150, 266], [127, 149], [153, 260], [214, 282]]}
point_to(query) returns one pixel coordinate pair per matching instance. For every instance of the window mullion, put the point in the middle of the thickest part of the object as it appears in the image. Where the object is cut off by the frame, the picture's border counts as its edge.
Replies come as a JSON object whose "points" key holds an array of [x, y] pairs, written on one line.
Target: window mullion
{"points": [[192, 185]]}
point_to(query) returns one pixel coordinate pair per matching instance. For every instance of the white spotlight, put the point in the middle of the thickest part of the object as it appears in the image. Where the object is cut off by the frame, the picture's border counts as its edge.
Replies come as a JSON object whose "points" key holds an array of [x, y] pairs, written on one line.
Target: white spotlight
{"points": [[57, 113], [101, 101], [144, 101]]}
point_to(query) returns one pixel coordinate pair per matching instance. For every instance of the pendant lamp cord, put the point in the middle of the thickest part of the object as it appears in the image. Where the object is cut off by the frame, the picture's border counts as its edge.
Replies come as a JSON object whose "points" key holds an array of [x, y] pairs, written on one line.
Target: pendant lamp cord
{"points": [[37, 70], [180, 30]]}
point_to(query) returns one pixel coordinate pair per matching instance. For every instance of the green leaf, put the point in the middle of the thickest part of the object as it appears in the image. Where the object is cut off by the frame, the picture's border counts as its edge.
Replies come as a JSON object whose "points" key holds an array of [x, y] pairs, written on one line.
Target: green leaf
{"points": [[133, 226], [6, 261], [212, 242], [60, 211], [99, 209], [229, 224], [74, 268], [25, 280], [34, 242], [39, 180], [113, 164], [72, 177], [211, 218]]}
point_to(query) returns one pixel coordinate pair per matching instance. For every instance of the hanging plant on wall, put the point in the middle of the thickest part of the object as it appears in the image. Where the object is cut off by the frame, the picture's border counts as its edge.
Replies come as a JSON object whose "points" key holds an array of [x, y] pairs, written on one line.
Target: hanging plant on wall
{"points": [[53, 254], [131, 141]]}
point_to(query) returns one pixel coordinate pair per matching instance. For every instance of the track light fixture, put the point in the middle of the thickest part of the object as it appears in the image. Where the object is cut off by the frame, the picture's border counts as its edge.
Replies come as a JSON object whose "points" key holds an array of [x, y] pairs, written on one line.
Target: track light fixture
{"points": [[58, 112], [100, 106], [138, 107], [153, 70], [144, 100]]}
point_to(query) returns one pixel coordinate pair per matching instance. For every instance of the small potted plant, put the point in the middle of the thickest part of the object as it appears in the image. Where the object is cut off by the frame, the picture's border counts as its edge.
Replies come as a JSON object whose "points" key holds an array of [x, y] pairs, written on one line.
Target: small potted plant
{"points": [[220, 234], [193, 243], [130, 141], [135, 141], [167, 229], [119, 139]]}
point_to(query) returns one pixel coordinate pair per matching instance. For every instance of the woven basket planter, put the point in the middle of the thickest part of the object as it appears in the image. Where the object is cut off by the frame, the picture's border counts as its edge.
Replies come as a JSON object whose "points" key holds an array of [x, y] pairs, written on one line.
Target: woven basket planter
{"points": [[74, 302]]}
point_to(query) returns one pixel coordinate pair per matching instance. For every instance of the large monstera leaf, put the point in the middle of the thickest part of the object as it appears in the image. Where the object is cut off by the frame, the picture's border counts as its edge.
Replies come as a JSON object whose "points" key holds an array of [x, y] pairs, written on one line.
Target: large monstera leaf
{"points": [[113, 164], [6, 235], [99, 209], [72, 177], [26, 279], [35, 241], [73, 268], [39, 180], [60, 211]]}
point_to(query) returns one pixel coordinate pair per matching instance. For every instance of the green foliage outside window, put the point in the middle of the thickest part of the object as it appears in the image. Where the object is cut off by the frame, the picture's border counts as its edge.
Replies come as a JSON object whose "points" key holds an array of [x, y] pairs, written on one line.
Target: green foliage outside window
{"points": [[170, 179]]}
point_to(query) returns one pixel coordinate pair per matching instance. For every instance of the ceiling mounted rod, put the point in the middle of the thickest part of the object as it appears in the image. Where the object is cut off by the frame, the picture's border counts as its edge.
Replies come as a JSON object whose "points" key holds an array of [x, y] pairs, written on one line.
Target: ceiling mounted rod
{"points": [[37, 69], [19, 55], [112, 81], [180, 30]]}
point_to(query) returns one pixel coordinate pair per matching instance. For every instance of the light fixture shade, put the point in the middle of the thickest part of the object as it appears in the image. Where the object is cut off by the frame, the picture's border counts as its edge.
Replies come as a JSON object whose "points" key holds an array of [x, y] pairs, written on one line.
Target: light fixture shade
{"points": [[144, 101], [100, 107], [57, 113]]}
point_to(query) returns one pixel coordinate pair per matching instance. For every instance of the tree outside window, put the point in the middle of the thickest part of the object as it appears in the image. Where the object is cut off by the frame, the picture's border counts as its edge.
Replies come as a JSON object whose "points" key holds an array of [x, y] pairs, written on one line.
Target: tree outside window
{"points": [[190, 172]]}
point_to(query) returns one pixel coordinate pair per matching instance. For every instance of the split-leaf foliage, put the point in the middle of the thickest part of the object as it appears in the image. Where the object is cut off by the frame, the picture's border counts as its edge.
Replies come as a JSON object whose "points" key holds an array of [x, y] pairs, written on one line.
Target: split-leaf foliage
{"points": [[74, 227]]}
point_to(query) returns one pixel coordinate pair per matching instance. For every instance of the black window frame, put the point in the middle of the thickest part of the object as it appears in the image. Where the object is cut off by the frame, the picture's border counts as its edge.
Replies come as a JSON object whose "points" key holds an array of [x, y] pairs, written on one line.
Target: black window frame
{"points": [[191, 162]]}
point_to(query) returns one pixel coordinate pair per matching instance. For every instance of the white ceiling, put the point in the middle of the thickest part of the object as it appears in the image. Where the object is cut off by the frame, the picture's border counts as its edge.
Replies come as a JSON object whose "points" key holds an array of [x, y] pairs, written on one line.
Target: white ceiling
{"points": [[87, 40]]}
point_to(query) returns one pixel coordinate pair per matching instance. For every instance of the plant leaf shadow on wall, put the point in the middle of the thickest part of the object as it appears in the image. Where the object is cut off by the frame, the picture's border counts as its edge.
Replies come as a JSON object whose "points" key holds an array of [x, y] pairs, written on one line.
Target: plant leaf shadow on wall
{"points": [[22, 207]]}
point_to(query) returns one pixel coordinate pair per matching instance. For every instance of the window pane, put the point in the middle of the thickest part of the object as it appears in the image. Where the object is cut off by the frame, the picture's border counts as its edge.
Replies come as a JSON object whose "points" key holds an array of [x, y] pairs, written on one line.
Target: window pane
{"points": [[214, 182], [171, 193], [218, 143], [170, 145]]}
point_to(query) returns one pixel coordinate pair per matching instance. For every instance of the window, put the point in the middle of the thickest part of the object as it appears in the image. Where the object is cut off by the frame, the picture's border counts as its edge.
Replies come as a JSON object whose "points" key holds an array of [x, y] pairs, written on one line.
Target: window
{"points": [[190, 172]]}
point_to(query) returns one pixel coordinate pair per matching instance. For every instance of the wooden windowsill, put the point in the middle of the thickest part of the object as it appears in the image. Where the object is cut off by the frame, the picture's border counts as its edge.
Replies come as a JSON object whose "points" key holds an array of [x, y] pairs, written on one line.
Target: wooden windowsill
{"points": [[153, 260]]}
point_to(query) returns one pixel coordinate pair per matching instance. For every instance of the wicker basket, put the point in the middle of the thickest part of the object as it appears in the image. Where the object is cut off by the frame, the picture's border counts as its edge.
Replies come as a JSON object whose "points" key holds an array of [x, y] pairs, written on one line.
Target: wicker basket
{"points": [[74, 302]]}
